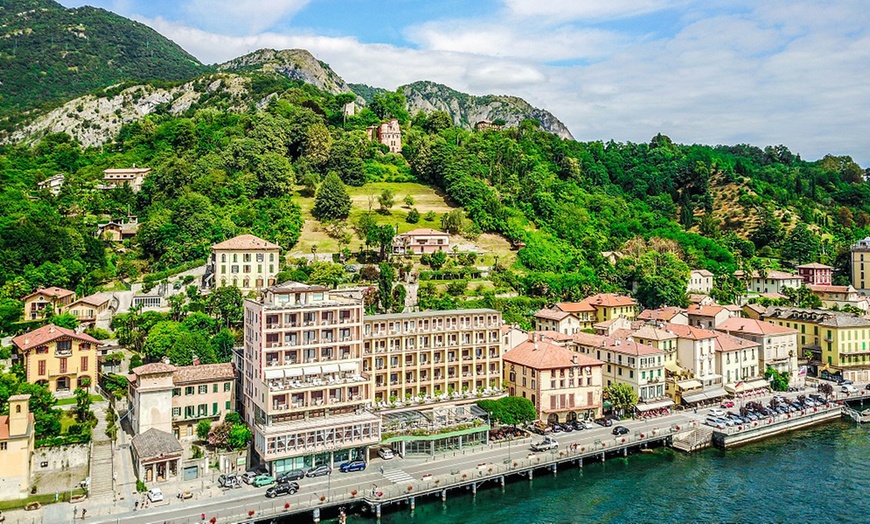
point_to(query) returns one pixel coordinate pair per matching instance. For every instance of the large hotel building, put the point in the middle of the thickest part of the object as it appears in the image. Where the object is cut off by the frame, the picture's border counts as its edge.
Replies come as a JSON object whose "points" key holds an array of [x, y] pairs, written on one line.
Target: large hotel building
{"points": [[304, 389], [438, 355]]}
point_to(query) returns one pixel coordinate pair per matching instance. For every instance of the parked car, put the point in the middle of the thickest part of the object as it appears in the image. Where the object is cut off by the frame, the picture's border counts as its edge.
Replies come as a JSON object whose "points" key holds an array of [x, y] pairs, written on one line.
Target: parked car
{"points": [[353, 465], [846, 382], [849, 388], [385, 453], [557, 428], [579, 425], [727, 404], [717, 412], [567, 428], [249, 475], [155, 495], [229, 481], [293, 474], [319, 471], [620, 430], [262, 480], [606, 422], [283, 488], [547, 444], [714, 422], [867, 387]]}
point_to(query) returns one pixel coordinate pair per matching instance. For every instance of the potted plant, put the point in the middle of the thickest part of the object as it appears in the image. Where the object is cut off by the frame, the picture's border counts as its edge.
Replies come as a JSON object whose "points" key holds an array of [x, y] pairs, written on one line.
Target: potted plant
{"points": [[410, 488], [323, 498], [250, 513], [353, 493]]}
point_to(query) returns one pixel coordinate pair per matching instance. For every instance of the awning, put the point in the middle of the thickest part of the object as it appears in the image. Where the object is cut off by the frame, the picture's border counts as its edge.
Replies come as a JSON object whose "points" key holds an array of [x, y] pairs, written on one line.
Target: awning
{"points": [[330, 368], [272, 374], [707, 394], [689, 384], [347, 366], [673, 367], [656, 404], [747, 386], [293, 372], [311, 370]]}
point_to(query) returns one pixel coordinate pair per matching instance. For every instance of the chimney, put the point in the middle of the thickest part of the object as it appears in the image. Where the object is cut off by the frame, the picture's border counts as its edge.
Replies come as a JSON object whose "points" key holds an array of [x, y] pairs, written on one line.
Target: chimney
{"points": [[195, 360], [165, 360], [576, 360], [536, 346], [51, 328]]}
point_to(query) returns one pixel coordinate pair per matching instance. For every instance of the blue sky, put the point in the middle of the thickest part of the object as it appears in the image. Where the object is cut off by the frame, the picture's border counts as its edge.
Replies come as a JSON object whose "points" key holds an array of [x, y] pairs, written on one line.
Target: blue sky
{"points": [[701, 71]]}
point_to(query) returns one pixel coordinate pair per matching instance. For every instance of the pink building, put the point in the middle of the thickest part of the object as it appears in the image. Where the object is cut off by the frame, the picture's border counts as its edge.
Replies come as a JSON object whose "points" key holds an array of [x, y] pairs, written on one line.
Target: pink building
{"points": [[419, 241], [389, 134], [816, 274]]}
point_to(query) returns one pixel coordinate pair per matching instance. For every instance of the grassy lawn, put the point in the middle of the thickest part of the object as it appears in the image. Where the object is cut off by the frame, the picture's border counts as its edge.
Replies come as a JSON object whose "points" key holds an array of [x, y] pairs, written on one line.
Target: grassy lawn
{"points": [[65, 422], [72, 400], [45, 498], [365, 198]]}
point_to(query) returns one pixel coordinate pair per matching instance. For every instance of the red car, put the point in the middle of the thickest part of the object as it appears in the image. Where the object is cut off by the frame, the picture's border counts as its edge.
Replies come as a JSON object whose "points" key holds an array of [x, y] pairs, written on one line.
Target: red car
{"points": [[727, 404]]}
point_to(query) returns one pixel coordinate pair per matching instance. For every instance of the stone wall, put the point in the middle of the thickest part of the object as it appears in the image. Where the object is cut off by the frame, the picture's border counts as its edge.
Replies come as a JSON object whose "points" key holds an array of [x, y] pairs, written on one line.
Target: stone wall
{"points": [[60, 458]]}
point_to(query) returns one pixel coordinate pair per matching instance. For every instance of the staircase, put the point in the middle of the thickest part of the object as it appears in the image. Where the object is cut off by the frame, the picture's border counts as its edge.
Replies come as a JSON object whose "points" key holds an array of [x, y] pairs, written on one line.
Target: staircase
{"points": [[102, 466], [699, 438]]}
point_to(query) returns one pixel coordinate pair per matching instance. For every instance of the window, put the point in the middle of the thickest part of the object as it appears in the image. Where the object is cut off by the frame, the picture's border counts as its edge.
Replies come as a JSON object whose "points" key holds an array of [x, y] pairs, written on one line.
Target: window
{"points": [[214, 388], [203, 389], [41, 367], [84, 366], [188, 412], [227, 386], [188, 390], [214, 408], [176, 392], [63, 362], [2, 446], [176, 412], [228, 405]]}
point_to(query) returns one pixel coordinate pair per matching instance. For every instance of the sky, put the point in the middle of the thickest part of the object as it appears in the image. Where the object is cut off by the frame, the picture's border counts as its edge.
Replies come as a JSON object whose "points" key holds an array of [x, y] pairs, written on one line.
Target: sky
{"points": [[762, 72]]}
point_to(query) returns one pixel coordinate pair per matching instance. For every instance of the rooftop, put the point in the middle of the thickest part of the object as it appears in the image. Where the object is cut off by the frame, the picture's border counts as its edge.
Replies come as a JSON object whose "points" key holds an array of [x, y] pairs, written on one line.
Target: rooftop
{"points": [[753, 327], [203, 373], [620, 345], [155, 443], [704, 311], [423, 231], [610, 300], [725, 342], [574, 307], [48, 333], [245, 242], [652, 333], [429, 314], [127, 171], [53, 291], [822, 317], [552, 314], [814, 265], [831, 289], [154, 368], [689, 332], [542, 354], [665, 313], [97, 299], [702, 272]]}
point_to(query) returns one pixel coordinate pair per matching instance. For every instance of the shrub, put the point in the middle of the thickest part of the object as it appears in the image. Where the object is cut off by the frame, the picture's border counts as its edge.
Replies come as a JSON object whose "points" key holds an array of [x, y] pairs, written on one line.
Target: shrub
{"points": [[413, 216], [141, 487]]}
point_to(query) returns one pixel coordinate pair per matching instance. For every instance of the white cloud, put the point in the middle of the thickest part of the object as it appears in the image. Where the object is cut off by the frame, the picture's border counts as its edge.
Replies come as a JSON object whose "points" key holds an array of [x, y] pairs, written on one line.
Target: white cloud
{"points": [[241, 16], [589, 10]]}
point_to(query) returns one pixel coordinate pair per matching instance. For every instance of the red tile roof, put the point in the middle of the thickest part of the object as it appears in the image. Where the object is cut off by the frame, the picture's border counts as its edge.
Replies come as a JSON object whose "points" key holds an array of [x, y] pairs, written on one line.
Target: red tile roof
{"points": [[203, 373], [689, 331], [574, 307], [665, 313], [704, 311], [545, 355], [619, 345], [814, 265], [725, 342], [752, 326], [153, 368], [555, 336], [831, 289], [551, 314], [97, 299], [53, 291], [246, 242], [48, 333], [610, 300]]}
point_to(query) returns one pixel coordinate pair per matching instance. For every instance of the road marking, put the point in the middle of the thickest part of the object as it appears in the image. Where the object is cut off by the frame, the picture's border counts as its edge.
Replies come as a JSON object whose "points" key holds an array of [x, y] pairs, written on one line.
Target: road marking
{"points": [[397, 475]]}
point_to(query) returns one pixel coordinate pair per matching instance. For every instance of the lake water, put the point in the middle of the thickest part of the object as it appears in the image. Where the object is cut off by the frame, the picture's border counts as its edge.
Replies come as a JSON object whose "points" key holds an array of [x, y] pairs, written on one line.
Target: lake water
{"points": [[820, 474]]}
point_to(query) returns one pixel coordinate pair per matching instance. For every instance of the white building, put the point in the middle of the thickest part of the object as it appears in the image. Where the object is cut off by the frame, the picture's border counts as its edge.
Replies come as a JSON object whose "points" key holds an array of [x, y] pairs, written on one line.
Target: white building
{"points": [[246, 262], [700, 281], [778, 344], [772, 282]]}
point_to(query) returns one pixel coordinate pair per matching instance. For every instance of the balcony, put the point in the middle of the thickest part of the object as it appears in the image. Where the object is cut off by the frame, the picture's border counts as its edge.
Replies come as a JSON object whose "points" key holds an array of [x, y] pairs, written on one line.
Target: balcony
{"points": [[63, 352]]}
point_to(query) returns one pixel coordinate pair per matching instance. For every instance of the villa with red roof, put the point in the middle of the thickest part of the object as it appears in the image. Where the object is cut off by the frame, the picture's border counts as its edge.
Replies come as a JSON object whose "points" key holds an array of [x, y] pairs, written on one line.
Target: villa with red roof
{"points": [[778, 348], [36, 302], [247, 262], [57, 357], [421, 241]]}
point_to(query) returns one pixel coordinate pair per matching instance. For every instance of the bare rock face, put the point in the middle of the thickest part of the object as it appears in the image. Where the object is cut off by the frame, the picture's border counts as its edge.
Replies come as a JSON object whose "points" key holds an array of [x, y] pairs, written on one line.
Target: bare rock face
{"points": [[297, 64], [466, 110]]}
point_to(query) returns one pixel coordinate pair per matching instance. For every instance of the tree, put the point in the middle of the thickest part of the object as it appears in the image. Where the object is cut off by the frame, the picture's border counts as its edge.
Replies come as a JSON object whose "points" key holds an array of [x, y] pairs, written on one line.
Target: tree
{"points": [[399, 294], [10, 312], [161, 338], [801, 245], [769, 231], [451, 222], [327, 274], [437, 121], [515, 410], [390, 104], [661, 280], [622, 397], [203, 428], [780, 379], [332, 201], [67, 320], [387, 199], [225, 304], [83, 405], [222, 345], [219, 434], [187, 345], [437, 259], [409, 201], [274, 175], [385, 286], [381, 236], [413, 216], [239, 437]]}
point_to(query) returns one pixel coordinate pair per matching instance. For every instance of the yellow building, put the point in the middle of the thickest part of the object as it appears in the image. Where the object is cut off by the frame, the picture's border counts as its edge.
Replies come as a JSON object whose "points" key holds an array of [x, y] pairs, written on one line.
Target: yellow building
{"points": [[836, 339], [16, 448], [36, 302], [60, 358], [433, 356], [562, 384], [246, 262], [88, 308], [860, 276]]}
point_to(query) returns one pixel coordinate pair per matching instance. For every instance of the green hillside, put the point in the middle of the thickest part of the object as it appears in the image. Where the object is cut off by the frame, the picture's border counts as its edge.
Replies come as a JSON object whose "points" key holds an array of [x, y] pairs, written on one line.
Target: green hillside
{"points": [[49, 53]]}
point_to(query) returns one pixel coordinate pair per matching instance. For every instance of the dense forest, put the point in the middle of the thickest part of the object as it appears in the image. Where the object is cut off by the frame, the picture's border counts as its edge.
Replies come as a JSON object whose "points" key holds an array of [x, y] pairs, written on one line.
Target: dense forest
{"points": [[49, 53], [217, 174]]}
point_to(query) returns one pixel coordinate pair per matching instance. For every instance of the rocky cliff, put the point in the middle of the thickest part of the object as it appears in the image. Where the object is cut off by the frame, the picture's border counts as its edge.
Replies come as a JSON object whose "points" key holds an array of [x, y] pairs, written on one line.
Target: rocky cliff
{"points": [[296, 64]]}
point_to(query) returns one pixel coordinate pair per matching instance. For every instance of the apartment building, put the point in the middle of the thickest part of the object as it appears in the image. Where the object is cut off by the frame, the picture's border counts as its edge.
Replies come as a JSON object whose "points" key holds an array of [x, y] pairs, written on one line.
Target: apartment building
{"points": [[839, 296], [778, 347], [57, 297], [771, 282], [200, 392], [246, 262], [600, 308], [816, 274], [700, 281], [671, 314], [737, 362], [627, 361], [16, 448], [562, 384], [304, 391], [841, 340], [586, 315], [433, 355], [707, 317], [60, 358], [556, 320]]}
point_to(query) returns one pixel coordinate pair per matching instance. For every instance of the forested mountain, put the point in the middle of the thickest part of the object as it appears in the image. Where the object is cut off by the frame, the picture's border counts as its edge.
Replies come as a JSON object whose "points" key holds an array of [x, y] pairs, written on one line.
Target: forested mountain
{"points": [[49, 53]]}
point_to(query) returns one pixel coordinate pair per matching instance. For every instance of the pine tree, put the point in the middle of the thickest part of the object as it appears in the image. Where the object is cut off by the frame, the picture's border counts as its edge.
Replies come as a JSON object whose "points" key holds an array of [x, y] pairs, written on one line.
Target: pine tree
{"points": [[332, 201]]}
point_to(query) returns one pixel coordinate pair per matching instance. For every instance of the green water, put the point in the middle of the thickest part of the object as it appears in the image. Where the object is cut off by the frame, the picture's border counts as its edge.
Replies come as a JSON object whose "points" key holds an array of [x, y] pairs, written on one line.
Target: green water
{"points": [[820, 474]]}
